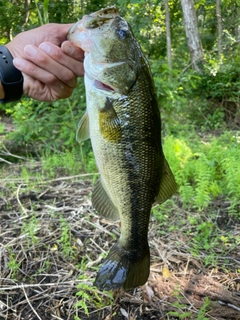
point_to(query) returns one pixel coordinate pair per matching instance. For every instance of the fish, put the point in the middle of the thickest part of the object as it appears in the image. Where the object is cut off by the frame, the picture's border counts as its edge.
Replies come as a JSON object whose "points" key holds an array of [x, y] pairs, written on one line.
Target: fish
{"points": [[123, 121]]}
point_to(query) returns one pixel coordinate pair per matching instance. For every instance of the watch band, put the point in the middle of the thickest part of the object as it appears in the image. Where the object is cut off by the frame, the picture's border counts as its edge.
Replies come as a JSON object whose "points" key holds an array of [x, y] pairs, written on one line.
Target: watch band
{"points": [[11, 78]]}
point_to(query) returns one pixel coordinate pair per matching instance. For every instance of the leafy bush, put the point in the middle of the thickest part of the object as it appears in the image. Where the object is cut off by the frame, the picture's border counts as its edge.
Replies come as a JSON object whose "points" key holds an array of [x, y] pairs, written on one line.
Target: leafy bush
{"points": [[205, 170], [206, 102], [48, 126]]}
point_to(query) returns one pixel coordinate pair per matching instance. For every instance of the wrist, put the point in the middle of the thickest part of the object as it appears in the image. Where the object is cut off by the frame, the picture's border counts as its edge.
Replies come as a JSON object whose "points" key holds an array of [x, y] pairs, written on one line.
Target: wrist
{"points": [[11, 78]]}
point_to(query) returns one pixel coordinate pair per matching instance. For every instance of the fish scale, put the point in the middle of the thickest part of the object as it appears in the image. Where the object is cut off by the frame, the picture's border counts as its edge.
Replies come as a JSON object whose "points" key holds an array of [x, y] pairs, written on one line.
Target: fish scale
{"points": [[123, 122]]}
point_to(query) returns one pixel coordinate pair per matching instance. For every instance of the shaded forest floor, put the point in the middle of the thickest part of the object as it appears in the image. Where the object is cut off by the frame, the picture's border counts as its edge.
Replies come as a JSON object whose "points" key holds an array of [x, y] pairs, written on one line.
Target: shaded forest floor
{"points": [[52, 244]]}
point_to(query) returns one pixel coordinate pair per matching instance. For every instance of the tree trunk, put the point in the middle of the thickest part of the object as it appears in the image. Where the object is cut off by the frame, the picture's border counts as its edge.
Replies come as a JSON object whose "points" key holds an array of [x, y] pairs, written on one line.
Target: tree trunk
{"points": [[192, 34], [168, 35], [26, 13], [219, 24]]}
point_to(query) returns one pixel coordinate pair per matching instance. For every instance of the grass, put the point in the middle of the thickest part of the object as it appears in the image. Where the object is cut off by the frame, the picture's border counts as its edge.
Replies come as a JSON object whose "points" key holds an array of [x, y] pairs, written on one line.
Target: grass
{"points": [[52, 244]]}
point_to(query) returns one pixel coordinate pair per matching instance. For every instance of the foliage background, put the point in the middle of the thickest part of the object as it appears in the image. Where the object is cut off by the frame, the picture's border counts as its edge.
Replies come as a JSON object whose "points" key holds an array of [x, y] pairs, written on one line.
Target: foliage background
{"points": [[200, 112], [47, 221]]}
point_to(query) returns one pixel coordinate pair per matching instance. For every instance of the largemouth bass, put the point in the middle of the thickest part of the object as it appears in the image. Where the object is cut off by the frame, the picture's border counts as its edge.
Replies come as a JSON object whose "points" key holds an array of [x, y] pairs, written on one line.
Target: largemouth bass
{"points": [[123, 122]]}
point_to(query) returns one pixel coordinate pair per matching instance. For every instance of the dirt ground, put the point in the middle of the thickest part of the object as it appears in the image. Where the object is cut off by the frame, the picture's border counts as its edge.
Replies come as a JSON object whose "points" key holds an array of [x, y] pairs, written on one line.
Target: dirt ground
{"points": [[39, 281], [52, 244]]}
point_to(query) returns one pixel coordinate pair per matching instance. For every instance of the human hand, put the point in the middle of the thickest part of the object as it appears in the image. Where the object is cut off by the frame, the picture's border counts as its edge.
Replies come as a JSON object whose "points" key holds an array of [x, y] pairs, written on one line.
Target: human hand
{"points": [[50, 72]]}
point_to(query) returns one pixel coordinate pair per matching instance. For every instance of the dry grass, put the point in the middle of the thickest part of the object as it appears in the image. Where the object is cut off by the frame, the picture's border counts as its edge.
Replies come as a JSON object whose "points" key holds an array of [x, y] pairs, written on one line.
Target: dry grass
{"points": [[52, 243]]}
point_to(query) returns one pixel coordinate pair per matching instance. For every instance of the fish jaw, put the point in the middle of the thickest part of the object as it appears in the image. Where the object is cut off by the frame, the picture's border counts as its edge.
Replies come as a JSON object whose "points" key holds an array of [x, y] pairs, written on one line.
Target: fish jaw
{"points": [[98, 92], [111, 51], [101, 73], [99, 22], [79, 36]]}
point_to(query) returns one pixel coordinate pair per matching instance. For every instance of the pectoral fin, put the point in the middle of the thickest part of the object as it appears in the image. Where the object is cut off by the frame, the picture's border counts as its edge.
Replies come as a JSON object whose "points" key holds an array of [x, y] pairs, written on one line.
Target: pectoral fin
{"points": [[168, 185], [110, 124], [83, 132], [102, 202]]}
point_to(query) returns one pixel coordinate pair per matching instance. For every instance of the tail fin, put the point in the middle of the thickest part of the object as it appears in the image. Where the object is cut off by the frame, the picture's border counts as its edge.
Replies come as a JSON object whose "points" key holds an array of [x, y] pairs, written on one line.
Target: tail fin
{"points": [[120, 269]]}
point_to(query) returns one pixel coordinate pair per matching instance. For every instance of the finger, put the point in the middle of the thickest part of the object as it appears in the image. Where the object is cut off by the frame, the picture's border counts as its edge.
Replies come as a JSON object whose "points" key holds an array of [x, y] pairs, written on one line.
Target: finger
{"points": [[46, 78], [72, 62], [47, 63], [54, 32], [72, 50]]}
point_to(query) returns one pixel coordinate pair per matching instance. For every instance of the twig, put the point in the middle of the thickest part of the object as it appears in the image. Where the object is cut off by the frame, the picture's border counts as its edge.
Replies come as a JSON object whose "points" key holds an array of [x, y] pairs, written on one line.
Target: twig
{"points": [[103, 251], [20, 204], [56, 317], [3, 160], [51, 284], [97, 225], [30, 304], [53, 180], [8, 153], [229, 305]]}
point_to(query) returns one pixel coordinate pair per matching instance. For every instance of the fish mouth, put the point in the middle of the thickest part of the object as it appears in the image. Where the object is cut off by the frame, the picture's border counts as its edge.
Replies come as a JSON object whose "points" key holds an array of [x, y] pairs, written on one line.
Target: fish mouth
{"points": [[103, 86], [97, 83], [96, 71]]}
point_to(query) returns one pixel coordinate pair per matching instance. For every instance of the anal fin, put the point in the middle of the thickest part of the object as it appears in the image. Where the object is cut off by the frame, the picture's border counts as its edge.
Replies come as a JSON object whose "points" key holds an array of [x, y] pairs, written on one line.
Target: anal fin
{"points": [[102, 202], [168, 185]]}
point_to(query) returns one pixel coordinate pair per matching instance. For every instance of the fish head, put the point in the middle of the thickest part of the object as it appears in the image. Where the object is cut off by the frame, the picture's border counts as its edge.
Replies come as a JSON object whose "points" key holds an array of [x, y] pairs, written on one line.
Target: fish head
{"points": [[111, 51]]}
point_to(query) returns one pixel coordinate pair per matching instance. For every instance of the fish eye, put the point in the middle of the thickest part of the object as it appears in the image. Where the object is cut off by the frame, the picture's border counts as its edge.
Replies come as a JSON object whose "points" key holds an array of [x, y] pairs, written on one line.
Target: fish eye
{"points": [[122, 34]]}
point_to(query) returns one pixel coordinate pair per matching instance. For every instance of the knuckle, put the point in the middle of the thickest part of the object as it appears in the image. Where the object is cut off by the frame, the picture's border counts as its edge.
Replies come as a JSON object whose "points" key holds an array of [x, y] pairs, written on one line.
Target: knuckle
{"points": [[32, 69], [43, 59], [52, 30], [56, 54]]}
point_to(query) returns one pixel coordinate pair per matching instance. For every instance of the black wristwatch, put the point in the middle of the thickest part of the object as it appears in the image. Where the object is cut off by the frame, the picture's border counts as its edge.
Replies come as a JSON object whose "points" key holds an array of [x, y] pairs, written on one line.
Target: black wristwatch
{"points": [[11, 78]]}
